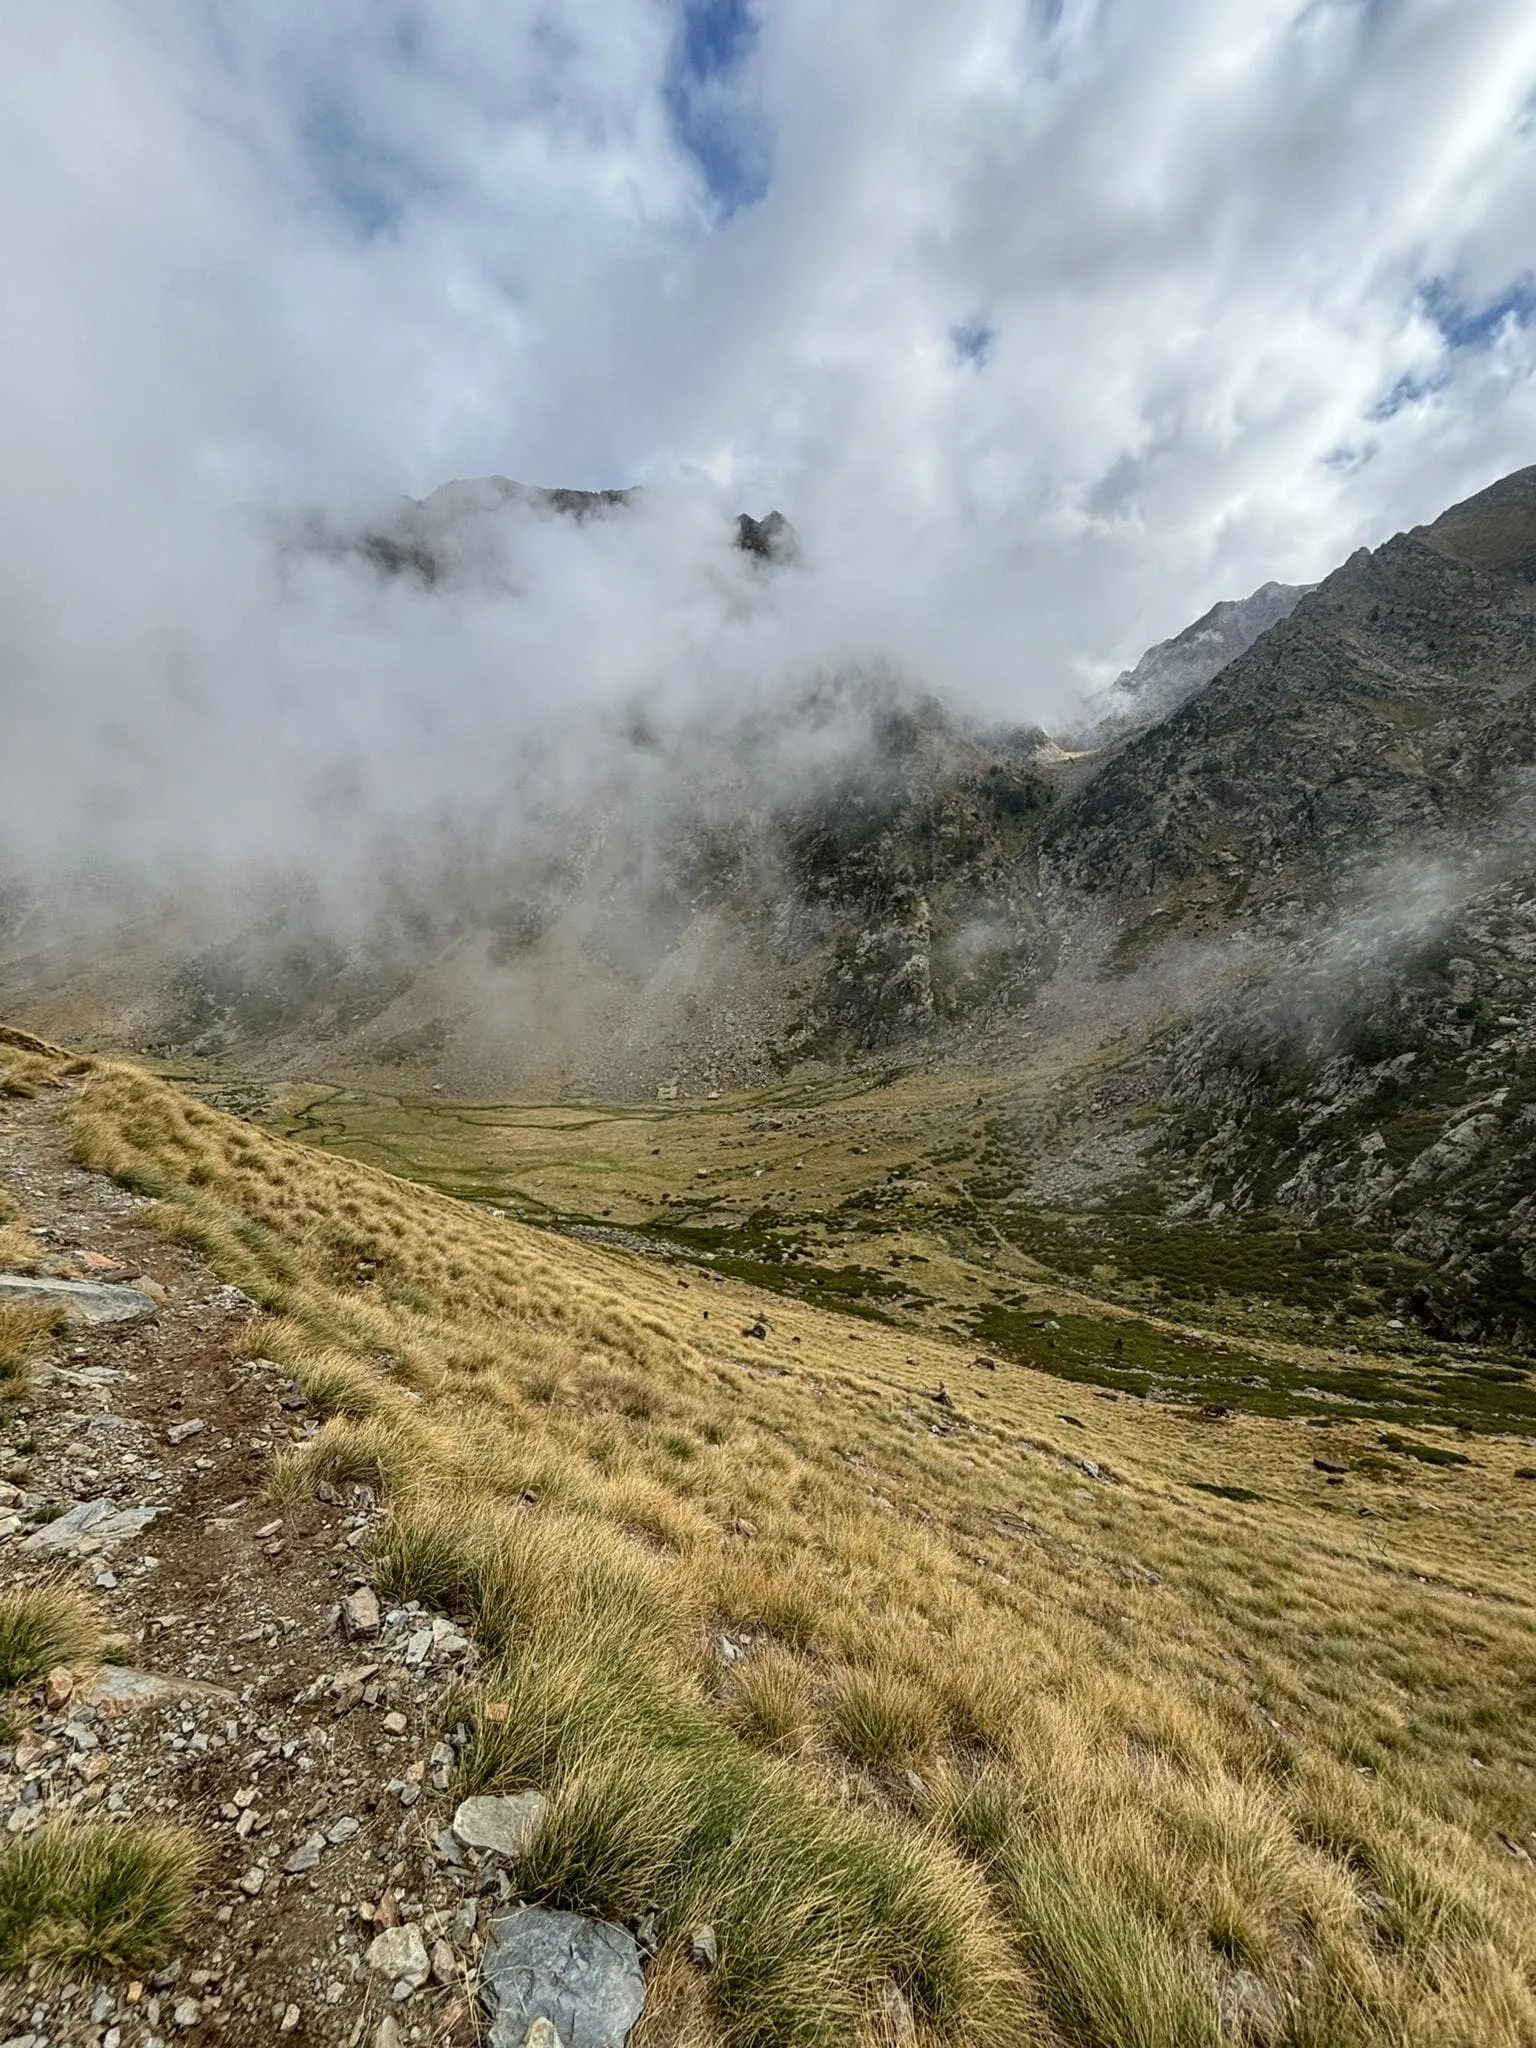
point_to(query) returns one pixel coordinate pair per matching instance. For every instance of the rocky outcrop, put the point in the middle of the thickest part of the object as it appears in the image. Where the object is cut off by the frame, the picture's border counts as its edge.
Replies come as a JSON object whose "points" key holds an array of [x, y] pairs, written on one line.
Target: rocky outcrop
{"points": [[1171, 672]]}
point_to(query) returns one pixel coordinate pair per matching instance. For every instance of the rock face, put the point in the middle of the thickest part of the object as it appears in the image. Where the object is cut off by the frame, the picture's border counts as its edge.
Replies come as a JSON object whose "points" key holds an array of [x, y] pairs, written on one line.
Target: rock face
{"points": [[1174, 670], [580, 1976]]}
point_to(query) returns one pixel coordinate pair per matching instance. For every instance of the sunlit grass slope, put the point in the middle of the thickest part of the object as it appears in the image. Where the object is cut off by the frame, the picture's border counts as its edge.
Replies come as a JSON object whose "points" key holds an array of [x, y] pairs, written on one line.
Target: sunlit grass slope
{"points": [[1069, 1719]]}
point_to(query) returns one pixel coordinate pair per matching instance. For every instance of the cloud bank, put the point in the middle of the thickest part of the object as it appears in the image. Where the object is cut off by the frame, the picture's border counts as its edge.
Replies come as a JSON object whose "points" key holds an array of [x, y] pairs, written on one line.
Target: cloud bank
{"points": [[1047, 324]]}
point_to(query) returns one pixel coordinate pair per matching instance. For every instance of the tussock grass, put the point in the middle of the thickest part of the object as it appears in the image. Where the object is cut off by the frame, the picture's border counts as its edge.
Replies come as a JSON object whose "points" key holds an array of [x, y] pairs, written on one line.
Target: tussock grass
{"points": [[881, 1719], [94, 1898], [769, 1701], [42, 1626], [25, 1328], [1174, 1760]]}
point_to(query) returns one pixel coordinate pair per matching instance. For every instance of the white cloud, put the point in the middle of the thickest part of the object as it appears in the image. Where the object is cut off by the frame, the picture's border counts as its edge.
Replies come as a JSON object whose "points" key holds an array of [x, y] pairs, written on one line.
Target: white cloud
{"points": [[256, 252]]}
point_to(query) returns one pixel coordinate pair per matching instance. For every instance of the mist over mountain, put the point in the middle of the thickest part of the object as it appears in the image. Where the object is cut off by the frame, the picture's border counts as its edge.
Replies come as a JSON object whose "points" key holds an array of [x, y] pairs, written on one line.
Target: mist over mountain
{"points": [[1319, 863]]}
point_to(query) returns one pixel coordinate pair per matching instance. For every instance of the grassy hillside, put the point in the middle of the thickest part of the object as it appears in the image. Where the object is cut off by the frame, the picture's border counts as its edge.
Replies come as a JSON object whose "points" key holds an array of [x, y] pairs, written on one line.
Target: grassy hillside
{"points": [[1070, 1719]]}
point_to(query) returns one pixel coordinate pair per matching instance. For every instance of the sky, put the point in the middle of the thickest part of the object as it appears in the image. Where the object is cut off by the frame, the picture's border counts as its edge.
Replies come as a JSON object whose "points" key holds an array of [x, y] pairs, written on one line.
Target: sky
{"points": [[1046, 322]]}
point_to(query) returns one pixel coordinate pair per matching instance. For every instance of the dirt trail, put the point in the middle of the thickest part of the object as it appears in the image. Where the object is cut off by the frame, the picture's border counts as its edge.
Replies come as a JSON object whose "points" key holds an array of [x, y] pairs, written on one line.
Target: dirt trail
{"points": [[274, 1737]]}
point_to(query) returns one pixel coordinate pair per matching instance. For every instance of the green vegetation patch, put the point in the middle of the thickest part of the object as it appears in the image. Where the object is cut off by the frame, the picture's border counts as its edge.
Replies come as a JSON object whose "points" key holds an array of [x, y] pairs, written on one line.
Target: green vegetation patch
{"points": [[1452, 1391]]}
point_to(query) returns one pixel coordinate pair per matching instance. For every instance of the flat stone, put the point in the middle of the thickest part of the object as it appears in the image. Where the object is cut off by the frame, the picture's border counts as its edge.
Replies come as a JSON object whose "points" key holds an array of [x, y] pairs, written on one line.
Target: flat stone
{"points": [[179, 1432], [900, 2025], [306, 1856], [542, 2035], [81, 1301], [703, 1948], [400, 1955], [582, 1977], [507, 1826], [89, 1527], [122, 1689]]}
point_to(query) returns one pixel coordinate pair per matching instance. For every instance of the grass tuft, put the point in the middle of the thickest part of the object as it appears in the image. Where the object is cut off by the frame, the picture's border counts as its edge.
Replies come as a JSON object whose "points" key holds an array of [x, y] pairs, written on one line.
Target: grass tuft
{"points": [[94, 1898], [881, 1719], [25, 1328], [42, 1626]]}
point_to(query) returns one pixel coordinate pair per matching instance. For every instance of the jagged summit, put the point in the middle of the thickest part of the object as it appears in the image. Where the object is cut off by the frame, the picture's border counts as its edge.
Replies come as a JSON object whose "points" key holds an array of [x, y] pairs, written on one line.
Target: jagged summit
{"points": [[1173, 670], [454, 526]]}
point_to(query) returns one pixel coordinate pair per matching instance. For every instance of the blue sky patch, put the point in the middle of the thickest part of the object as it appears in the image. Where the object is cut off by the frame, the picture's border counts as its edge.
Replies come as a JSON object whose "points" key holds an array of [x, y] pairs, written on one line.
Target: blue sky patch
{"points": [[973, 341], [1466, 325], [1408, 390], [366, 183], [712, 117]]}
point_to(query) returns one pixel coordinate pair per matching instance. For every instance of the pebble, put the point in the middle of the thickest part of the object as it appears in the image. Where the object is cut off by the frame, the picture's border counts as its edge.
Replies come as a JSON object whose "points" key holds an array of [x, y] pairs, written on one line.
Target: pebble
{"points": [[179, 1432], [400, 1955], [703, 1948], [253, 1880], [306, 1856], [360, 1613]]}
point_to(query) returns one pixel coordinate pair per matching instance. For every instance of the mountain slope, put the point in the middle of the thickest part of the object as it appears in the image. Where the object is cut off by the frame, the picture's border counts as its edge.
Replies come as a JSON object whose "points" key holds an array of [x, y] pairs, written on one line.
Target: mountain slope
{"points": [[1176, 669], [952, 1716]]}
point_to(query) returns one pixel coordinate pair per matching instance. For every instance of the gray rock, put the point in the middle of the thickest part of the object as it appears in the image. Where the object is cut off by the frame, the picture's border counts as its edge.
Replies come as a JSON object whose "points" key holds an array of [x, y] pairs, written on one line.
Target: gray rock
{"points": [[580, 1976], [360, 1612], [306, 1856], [1251, 2009], [900, 2025], [122, 1689], [703, 1948], [507, 1826], [81, 1301], [400, 1955], [180, 1431], [89, 1527]]}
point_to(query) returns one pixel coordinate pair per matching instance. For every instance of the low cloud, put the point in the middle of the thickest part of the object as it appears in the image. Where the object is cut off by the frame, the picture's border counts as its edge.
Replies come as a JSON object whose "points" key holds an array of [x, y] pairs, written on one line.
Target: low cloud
{"points": [[1046, 325]]}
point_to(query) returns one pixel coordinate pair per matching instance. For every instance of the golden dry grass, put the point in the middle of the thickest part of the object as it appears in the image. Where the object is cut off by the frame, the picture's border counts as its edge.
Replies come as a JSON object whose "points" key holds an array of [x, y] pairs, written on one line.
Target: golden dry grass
{"points": [[74, 1898], [1097, 1759], [44, 1625]]}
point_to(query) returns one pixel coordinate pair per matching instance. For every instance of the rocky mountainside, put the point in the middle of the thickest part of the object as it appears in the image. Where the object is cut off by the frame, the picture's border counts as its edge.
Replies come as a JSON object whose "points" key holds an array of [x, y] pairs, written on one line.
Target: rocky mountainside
{"points": [[1175, 669]]}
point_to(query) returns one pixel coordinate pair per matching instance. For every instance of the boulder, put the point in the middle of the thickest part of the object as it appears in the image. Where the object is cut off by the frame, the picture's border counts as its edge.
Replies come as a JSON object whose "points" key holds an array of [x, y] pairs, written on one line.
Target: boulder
{"points": [[582, 1977], [80, 1301]]}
